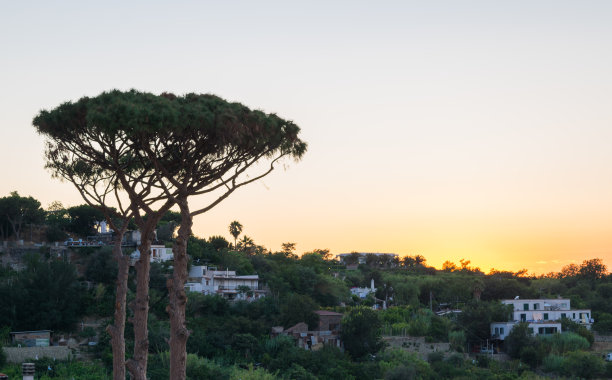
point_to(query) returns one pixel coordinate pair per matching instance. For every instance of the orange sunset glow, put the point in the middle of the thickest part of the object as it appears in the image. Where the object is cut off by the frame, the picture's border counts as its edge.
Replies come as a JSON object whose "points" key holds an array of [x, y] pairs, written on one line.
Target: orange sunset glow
{"points": [[478, 131]]}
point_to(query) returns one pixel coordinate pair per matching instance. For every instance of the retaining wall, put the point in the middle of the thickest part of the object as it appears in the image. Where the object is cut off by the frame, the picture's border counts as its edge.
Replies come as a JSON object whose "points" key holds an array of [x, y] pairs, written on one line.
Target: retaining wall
{"points": [[20, 354]]}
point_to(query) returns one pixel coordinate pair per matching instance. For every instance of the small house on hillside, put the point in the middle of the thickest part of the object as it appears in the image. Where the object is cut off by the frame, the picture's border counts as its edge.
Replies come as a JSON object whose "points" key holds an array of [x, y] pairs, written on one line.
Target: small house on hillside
{"points": [[209, 280], [37, 338], [326, 333], [159, 254]]}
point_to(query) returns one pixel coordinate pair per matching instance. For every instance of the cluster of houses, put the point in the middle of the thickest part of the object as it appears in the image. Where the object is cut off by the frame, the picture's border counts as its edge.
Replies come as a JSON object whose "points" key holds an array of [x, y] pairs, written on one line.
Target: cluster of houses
{"points": [[543, 316]]}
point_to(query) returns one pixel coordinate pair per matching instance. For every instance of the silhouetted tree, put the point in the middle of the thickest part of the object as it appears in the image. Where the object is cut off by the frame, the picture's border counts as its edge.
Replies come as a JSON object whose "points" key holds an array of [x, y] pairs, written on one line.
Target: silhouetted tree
{"points": [[16, 211], [235, 229]]}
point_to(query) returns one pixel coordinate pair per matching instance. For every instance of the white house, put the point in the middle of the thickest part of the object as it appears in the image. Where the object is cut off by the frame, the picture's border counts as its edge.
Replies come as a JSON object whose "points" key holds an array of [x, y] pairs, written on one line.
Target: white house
{"points": [[209, 280], [543, 316], [363, 292], [159, 254]]}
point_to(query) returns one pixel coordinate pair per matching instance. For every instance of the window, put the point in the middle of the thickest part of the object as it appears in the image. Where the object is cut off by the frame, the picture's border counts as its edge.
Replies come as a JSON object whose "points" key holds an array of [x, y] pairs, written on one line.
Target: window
{"points": [[563, 315], [541, 330], [497, 331], [206, 282], [546, 316], [536, 306], [573, 315], [531, 330], [523, 317], [501, 330], [525, 306]]}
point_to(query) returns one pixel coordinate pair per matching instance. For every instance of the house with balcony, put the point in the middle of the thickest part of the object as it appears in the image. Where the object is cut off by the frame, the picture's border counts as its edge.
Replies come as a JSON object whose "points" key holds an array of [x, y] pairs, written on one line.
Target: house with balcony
{"points": [[543, 316], [209, 280]]}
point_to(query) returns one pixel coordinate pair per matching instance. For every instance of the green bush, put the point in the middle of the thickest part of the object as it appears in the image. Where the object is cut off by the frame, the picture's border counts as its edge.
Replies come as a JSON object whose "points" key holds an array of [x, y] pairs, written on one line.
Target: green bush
{"points": [[603, 324], [457, 340], [530, 356], [583, 364], [2, 356], [565, 342], [608, 373], [553, 364]]}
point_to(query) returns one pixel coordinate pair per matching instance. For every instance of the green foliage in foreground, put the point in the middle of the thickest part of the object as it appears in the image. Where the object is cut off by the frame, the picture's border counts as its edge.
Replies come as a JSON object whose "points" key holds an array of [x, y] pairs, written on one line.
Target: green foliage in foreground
{"points": [[47, 369], [361, 332]]}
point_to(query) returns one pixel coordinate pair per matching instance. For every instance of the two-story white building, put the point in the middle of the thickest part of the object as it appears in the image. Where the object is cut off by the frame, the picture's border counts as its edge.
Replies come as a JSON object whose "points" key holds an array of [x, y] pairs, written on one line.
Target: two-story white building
{"points": [[543, 316], [209, 280], [159, 254]]}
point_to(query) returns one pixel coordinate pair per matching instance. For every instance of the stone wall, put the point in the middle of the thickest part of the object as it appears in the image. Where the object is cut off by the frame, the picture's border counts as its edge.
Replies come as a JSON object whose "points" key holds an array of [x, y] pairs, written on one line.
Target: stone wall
{"points": [[20, 354], [602, 338], [416, 345]]}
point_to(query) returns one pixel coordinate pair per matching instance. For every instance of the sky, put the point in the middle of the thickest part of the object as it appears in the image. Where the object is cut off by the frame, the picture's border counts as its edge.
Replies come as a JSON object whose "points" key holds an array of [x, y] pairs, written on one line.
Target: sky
{"points": [[477, 130]]}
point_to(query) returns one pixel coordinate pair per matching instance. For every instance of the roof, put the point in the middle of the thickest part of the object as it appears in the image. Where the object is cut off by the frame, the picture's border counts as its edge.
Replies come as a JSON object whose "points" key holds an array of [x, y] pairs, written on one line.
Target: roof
{"points": [[234, 277], [537, 299], [299, 327], [31, 331], [328, 313]]}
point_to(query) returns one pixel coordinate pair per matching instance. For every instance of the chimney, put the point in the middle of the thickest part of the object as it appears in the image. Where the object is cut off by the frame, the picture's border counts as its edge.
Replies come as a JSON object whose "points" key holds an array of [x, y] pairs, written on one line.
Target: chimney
{"points": [[28, 369], [103, 229]]}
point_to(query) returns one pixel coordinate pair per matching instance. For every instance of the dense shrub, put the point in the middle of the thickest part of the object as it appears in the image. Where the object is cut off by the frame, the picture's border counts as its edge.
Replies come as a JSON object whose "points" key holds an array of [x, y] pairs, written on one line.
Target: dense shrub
{"points": [[457, 340], [583, 364], [553, 363], [565, 342]]}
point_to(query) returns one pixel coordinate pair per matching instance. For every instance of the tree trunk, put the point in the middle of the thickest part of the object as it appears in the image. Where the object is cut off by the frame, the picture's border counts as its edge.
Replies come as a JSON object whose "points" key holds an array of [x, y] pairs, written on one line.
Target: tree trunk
{"points": [[16, 225], [137, 365], [177, 297], [117, 330]]}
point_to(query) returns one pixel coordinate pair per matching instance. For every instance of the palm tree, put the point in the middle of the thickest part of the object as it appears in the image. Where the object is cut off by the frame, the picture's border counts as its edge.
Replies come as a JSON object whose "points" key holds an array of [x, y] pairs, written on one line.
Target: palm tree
{"points": [[235, 228], [247, 244]]}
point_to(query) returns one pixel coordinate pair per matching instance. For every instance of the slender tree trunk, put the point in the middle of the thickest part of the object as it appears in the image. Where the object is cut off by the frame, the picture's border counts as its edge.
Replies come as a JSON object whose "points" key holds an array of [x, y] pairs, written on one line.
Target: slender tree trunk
{"points": [[16, 224], [177, 297], [117, 331], [137, 365]]}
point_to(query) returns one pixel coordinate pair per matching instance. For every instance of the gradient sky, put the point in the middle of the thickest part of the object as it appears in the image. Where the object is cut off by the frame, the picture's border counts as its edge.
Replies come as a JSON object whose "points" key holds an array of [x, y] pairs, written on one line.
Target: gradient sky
{"points": [[451, 129]]}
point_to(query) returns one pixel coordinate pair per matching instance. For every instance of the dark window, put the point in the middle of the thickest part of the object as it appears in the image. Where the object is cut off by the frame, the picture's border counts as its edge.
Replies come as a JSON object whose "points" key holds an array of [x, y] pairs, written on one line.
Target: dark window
{"points": [[536, 306], [525, 306], [546, 316], [523, 317]]}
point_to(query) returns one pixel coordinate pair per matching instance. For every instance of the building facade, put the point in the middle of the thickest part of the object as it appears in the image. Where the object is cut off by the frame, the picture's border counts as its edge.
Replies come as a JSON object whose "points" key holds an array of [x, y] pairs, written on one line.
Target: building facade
{"points": [[209, 280], [326, 333], [543, 316], [159, 254]]}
